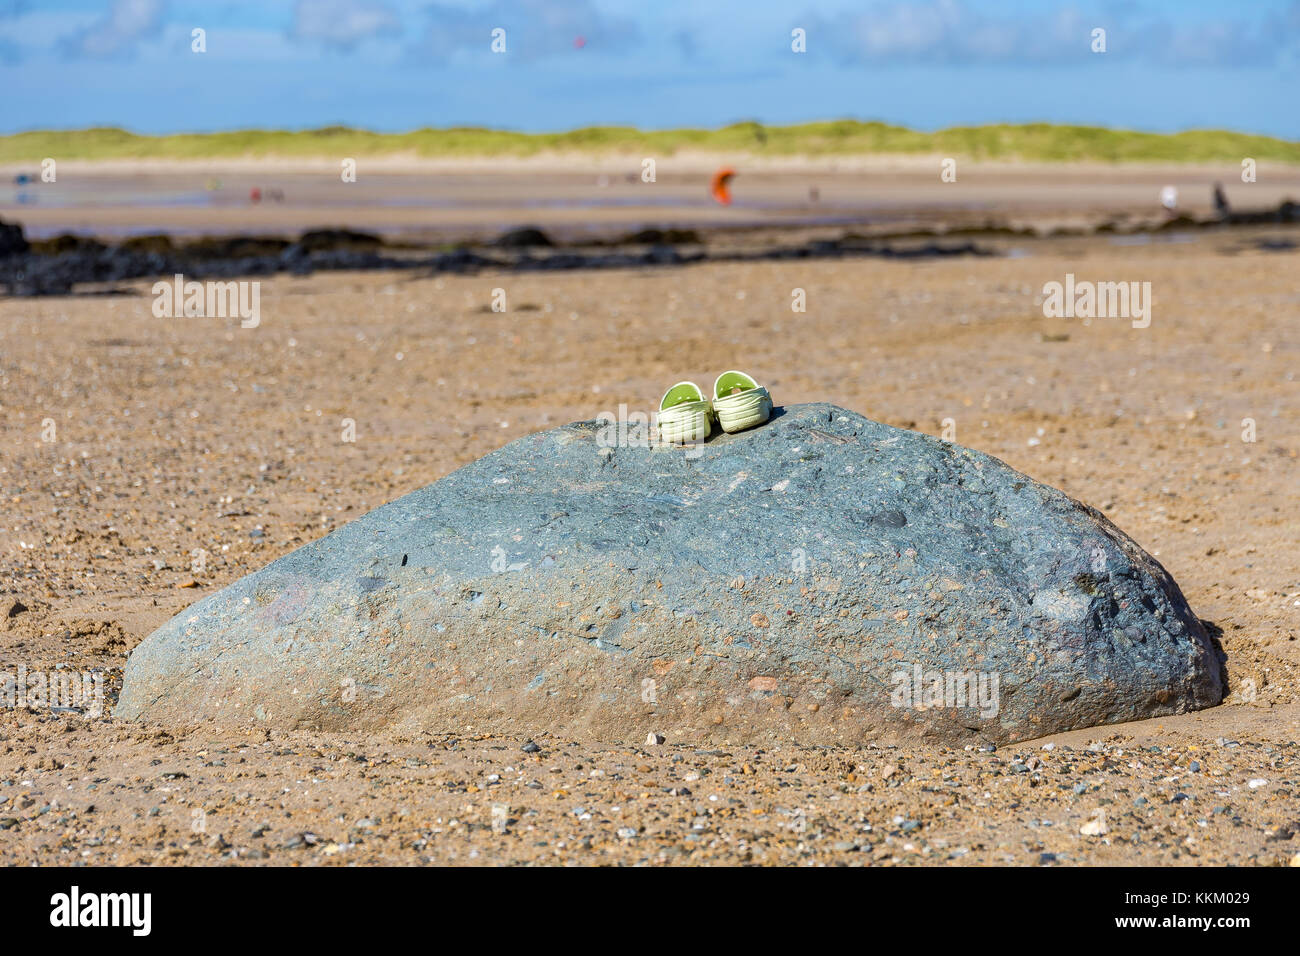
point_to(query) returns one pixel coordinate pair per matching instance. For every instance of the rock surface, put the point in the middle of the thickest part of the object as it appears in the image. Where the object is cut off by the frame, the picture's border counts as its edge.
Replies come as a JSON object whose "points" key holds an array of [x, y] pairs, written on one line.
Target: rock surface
{"points": [[12, 241], [57, 266], [823, 579]]}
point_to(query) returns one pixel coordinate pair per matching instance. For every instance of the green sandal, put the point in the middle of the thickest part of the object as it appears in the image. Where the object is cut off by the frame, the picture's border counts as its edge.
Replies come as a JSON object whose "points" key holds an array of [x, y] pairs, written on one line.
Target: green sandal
{"points": [[740, 402], [685, 415]]}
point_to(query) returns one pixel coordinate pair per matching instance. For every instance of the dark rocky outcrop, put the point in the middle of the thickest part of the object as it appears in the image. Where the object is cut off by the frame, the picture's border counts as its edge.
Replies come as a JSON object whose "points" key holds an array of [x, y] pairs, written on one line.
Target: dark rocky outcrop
{"points": [[12, 242]]}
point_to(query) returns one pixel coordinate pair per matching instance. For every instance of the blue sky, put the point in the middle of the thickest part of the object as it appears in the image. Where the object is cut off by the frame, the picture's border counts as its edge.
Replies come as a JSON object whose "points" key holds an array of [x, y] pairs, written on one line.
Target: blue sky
{"points": [[400, 64]]}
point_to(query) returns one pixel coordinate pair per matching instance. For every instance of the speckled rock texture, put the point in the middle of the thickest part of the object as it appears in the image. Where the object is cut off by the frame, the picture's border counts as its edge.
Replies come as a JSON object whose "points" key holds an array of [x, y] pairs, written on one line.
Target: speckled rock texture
{"points": [[823, 579]]}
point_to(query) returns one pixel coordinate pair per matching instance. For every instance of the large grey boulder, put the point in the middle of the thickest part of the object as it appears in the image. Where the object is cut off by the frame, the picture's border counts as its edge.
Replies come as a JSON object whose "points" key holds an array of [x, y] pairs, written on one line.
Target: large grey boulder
{"points": [[822, 579]]}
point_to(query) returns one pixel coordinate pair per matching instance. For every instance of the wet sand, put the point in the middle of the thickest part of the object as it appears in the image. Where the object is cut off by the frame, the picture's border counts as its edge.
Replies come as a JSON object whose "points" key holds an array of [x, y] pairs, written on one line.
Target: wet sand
{"points": [[173, 436], [583, 197]]}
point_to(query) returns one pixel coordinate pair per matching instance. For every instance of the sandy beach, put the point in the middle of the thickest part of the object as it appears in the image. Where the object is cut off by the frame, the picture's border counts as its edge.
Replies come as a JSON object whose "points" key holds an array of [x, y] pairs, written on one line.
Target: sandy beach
{"points": [[592, 197], [147, 462]]}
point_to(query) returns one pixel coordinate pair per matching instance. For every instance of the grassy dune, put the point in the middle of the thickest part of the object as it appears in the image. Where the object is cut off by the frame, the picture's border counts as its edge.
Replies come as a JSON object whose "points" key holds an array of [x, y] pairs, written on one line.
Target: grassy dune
{"points": [[1036, 142]]}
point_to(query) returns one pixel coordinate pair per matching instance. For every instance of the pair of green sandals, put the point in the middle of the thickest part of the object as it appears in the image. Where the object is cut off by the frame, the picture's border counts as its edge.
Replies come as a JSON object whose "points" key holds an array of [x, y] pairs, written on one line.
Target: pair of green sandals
{"points": [[739, 402]]}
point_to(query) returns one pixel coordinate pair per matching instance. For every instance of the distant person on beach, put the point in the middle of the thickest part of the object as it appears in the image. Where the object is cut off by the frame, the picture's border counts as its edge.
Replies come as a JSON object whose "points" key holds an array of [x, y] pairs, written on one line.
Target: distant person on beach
{"points": [[1169, 199], [1221, 202]]}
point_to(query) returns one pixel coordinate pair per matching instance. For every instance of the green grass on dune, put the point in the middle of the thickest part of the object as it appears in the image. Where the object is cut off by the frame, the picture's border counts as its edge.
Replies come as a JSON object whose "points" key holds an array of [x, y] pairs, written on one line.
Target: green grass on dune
{"points": [[1034, 142]]}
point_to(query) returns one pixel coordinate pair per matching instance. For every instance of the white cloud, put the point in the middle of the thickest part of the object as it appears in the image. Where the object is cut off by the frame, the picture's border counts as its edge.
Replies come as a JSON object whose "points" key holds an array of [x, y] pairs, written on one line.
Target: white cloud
{"points": [[341, 24], [535, 29], [116, 33], [957, 32]]}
